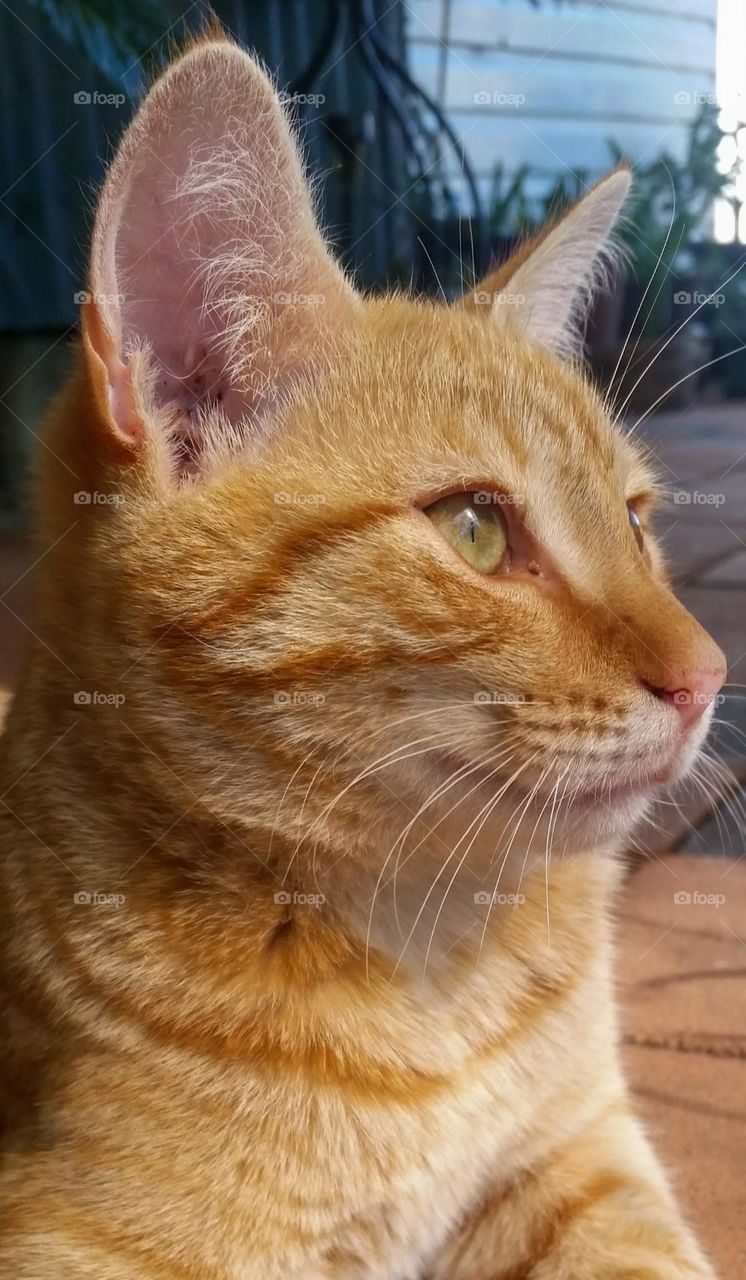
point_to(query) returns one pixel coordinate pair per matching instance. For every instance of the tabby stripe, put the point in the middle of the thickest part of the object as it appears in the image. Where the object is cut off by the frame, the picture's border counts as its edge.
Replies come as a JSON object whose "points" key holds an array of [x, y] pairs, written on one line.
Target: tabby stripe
{"points": [[305, 540]]}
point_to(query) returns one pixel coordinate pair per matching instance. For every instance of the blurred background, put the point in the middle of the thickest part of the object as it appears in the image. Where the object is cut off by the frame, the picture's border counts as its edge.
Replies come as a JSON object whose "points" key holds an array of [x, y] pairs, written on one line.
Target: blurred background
{"points": [[443, 131]]}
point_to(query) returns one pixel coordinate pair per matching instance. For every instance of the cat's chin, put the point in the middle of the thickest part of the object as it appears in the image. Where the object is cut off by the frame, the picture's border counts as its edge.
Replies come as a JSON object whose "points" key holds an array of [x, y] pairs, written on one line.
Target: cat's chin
{"points": [[593, 822], [596, 814], [604, 813]]}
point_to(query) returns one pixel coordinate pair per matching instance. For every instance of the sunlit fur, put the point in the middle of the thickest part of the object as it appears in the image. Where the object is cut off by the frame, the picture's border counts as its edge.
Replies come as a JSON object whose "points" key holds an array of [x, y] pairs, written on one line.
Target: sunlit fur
{"points": [[218, 1078]]}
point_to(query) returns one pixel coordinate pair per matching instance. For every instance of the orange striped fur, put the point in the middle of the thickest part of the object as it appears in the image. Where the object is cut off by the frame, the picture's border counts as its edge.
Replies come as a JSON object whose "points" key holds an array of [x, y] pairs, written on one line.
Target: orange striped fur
{"points": [[306, 953]]}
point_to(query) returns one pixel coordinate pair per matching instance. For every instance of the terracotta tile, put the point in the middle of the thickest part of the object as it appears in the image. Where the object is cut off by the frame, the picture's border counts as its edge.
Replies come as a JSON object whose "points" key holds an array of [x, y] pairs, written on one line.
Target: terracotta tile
{"points": [[683, 1004]]}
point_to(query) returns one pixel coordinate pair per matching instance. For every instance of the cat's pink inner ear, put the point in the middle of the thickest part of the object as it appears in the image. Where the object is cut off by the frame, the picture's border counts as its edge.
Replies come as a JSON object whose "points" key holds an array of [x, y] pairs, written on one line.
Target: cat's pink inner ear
{"points": [[207, 257]]}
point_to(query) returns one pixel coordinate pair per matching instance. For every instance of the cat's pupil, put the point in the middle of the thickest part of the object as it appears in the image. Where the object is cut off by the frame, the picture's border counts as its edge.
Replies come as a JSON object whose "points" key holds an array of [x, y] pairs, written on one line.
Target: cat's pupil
{"points": [[467, 524]]}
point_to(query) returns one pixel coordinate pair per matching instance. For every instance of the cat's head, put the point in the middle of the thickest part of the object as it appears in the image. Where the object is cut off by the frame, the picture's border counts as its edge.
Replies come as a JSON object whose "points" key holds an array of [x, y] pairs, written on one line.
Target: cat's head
{"points": [[369, 556]]}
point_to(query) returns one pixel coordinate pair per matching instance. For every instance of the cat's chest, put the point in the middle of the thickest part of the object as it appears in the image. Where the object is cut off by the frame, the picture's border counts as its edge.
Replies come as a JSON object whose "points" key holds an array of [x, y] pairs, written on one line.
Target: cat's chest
{"points": [[377, 1165], [407, 1150]]}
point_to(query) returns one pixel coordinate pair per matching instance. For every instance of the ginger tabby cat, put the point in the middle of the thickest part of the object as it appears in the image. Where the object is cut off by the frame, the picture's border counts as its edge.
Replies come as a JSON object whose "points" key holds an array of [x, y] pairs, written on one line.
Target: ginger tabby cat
{"points": [[356, 663]]}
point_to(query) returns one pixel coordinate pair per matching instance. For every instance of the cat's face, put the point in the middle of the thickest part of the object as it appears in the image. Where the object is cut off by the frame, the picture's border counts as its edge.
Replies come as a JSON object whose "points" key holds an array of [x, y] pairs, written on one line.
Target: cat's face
{"points": [[324, 601], [431, 586]]}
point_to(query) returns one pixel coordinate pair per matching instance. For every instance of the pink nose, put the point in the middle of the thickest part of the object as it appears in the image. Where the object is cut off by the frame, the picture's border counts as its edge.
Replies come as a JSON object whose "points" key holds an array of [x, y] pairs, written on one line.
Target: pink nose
{"points": [[692, 699]]}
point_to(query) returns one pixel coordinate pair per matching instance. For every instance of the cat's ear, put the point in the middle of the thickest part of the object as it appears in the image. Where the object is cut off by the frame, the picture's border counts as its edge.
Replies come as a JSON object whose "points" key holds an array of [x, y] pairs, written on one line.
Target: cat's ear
{"points": [[544, 290], [211, 288]]}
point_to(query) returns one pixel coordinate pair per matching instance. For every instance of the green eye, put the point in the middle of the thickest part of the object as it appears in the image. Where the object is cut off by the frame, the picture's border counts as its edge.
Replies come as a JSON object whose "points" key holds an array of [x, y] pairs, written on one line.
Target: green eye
{"points": [[636, 528], [474, 528]]}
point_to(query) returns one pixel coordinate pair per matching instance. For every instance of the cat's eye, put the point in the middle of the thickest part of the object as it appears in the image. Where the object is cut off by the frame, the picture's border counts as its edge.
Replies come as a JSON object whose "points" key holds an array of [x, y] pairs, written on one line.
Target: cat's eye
{"points": [[474, 526], [634, 520]]}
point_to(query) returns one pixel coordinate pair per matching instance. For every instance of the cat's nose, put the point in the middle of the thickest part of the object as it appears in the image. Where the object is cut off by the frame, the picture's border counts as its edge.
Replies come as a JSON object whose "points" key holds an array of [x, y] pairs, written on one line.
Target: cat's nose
{"points": [[695, 692]]}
